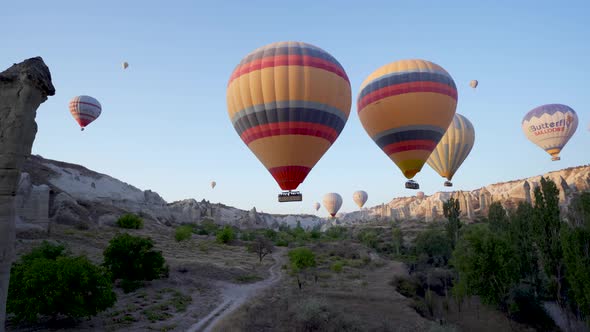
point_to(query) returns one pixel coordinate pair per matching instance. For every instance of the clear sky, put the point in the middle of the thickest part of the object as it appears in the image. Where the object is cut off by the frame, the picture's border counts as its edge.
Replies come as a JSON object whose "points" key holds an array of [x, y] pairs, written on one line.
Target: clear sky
{"points": [[165, 126]]}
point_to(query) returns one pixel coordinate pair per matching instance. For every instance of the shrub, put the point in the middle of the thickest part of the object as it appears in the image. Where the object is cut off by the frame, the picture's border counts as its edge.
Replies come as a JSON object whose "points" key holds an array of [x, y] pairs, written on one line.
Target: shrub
{"points": [[132, 259], [47, 282], [369, 238], [336, 233], [337, 266], [130, 221], [183, 233], [433, 247], [312, 313], [226, 235]]}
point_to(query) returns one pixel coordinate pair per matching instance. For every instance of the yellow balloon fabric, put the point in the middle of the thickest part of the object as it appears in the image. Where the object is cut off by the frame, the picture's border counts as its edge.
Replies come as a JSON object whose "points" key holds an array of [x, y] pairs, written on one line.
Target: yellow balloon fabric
{"points": [[453, 148], [289, 101], [406, 107]]}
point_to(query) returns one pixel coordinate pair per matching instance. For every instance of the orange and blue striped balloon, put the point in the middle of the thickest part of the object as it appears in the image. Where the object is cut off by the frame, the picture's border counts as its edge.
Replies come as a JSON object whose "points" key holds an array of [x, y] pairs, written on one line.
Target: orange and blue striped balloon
{"points": [[406, 108], [289, 101]]}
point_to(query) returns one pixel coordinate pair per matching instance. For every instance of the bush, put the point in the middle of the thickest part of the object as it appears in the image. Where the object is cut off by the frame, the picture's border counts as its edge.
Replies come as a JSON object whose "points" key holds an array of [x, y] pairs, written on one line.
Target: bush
{"points": [[47, 282], [132, 259], [337, 266], [312, 313], [336, 233], [407, 287], [283, 239], [433, 247], [369, 238], [130, 221], [183, 233], [226, 235]]}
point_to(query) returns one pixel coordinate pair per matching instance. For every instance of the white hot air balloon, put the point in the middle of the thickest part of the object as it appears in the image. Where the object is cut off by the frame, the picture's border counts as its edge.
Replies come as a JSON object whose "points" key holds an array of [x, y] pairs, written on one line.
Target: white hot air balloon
{"points": [[360, 198], [332, 203], [550, 127], [85, 110], [316, 206]]}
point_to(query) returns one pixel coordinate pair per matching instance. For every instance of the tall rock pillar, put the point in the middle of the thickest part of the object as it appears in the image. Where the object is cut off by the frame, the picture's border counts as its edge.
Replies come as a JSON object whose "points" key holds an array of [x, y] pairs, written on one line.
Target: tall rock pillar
{"points": [[23, 87]]}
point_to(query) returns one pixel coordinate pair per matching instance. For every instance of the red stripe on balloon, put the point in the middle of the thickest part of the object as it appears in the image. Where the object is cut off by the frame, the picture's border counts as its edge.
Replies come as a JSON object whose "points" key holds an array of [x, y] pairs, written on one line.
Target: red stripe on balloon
{"points": [[410, 145], [399, 89], [289, 128], [289, 177]]}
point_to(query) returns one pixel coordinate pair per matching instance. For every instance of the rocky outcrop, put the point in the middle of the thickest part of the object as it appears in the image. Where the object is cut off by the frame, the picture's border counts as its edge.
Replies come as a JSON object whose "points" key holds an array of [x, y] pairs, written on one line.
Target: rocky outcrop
{"points": [[23, 87]]}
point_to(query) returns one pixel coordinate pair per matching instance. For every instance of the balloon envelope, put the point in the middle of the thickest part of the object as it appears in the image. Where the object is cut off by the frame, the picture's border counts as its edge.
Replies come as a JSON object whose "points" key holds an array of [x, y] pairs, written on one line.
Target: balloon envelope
{"points": [[406, 107], [289, 101], [213, 184], [360, 198], [316, 206], [550, 127], [85, 110], [473, 84], [453, 148], [125, 65], [332, 203]]}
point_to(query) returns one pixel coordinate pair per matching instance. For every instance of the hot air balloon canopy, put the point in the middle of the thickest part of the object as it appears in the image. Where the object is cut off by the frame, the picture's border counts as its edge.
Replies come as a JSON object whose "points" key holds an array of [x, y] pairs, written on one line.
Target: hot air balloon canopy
{"points": [[360, 198], [289, 101], [213, 184], [125, 65], [332, 203], [406, 107], [316, 206], [473, 84], [453, 148], [550, 127], [85, 110]]}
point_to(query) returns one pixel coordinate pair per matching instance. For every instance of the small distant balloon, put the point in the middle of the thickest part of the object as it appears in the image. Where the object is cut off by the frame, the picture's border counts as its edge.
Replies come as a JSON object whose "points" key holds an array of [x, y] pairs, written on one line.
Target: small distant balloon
{"points": [[473, 84], [316, 206], [550, 127], [332, 203], [360, 198], [125, 65], [213, 184], [85, 110]]}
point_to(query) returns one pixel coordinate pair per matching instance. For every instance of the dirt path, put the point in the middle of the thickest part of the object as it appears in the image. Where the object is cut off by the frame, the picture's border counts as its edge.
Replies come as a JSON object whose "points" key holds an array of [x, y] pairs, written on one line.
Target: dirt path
{"points": [[235, 295]]}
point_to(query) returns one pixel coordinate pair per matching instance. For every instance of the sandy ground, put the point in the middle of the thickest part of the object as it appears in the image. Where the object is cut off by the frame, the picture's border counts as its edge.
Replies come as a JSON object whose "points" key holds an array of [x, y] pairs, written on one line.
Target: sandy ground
{"points": [[235, 295]]}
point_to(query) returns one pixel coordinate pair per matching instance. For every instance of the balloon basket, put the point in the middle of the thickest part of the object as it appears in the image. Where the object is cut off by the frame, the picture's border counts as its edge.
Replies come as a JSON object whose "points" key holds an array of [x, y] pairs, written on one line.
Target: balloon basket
{"points": [[412, 185], [290, 196], [555, 158], [448, 184]]}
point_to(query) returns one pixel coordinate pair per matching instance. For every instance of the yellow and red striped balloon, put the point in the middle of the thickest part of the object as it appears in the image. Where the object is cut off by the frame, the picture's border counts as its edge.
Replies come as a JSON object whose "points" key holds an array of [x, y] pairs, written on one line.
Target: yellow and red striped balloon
{"points": [[406, 107], [289, 101]]}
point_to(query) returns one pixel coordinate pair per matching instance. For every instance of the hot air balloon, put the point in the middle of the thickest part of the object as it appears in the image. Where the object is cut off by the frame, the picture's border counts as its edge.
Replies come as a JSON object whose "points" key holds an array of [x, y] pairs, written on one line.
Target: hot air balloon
{"points": [[125, 65], [316, 206], [213, 184], [453, 148], [332, 203], [550, 127], [406, 107], [360, 198], [289, 101], [85, 109], [473, 84]]}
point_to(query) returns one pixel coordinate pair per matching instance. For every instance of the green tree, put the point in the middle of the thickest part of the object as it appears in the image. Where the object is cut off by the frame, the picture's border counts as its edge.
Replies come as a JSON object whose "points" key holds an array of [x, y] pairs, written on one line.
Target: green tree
{"points": [[485, 265], [132, 259], [576, 256], [369, 238], [397, 239], [226, 235], [183, 232], [130, 221], [498, 218], [452, 212], [301, 259], [546, 228], [522, 241], [48, 282], [433, 247]]}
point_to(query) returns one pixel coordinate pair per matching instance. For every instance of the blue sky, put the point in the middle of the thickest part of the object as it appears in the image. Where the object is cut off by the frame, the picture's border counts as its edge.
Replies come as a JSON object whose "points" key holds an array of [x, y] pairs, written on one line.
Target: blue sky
{"points": [[165, 126]]}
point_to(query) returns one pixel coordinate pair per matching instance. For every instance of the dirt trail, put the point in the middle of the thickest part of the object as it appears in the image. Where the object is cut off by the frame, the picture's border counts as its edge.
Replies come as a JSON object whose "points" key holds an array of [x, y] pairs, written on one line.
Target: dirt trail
{"points": [[235, 295]]}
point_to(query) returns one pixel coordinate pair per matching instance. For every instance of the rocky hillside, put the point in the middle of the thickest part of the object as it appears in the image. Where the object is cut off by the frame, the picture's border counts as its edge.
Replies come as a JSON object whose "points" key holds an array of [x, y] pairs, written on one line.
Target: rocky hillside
{"points": [[54, 191], [475, 203]]}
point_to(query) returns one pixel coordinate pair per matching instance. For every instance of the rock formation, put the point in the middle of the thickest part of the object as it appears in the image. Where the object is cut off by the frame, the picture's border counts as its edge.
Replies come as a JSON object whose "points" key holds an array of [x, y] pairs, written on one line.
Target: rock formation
{"points": [[23, 87]]}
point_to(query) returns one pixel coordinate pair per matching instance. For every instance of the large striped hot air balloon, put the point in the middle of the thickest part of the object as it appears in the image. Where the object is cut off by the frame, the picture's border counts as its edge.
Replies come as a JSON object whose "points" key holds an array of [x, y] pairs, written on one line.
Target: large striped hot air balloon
{"points": [[85, 109], [406, 107], [550, 127], [360, 198], [289, 101], [332, 203], [453, 148]]}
